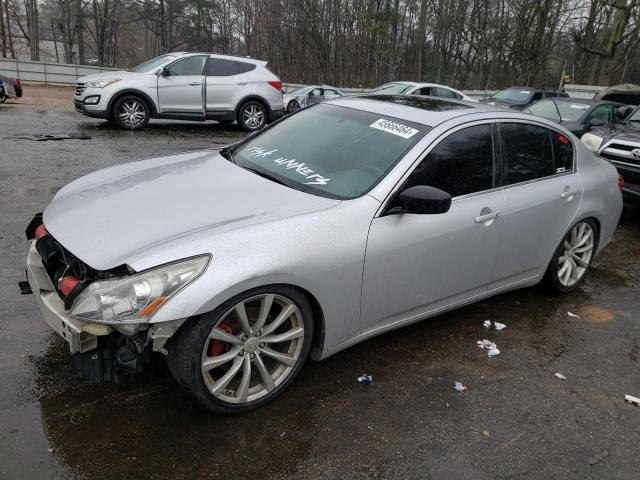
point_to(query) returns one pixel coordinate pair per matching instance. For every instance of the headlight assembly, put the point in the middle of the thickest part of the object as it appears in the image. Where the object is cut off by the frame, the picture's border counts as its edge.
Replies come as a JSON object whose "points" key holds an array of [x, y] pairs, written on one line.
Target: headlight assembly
{"points": [[102, 83], [591, 141], [134, 299]]}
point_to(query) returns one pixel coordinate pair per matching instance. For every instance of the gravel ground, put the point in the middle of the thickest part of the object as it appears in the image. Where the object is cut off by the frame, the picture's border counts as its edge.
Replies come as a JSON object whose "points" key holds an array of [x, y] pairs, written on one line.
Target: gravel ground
{"points": [[515, 420]]}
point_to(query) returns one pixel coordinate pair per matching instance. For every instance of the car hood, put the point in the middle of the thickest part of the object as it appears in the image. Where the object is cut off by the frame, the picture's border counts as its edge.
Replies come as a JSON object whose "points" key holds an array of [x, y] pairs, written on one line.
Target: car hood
{"points": [[107, 75], [619, 132], [116, 214]]}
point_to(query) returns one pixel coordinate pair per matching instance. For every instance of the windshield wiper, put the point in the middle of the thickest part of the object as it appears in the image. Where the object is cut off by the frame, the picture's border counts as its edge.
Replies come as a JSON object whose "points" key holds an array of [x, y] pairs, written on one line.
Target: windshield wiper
{"points": [[266, 175], [226, 153]]}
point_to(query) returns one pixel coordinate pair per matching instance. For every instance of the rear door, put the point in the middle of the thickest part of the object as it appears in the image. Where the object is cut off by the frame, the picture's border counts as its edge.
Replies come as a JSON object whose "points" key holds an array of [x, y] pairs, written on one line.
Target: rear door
{"points": [[542, 195], [181, 90], [228, 82]]}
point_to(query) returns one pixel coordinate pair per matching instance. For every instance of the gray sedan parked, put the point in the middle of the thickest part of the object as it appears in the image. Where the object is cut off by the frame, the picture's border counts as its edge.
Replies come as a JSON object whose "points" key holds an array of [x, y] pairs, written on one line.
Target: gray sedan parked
{"points": [[302, 97], [238, 264]]}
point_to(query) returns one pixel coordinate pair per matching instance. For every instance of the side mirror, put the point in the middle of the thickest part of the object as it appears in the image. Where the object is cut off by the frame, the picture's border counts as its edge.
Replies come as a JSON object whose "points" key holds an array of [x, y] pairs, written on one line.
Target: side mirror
{"points": [[424, 200], [165, 72], [595, 122]]}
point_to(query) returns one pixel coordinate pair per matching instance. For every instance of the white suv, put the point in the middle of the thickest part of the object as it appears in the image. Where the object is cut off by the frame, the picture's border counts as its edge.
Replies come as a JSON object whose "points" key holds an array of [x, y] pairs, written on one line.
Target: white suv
{"points": [[184, 86]]}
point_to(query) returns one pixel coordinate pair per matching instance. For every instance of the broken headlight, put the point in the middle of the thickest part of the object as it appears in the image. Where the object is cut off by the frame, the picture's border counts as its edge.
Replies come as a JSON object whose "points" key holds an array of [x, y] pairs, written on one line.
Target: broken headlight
{"points": [[134, 299]]}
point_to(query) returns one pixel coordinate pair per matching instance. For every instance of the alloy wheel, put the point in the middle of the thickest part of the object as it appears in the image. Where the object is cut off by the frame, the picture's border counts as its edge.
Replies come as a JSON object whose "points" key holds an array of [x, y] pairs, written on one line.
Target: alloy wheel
{"points": [[253, 348], [253, 116], [578, 250], [294, 107], [132, 113]]}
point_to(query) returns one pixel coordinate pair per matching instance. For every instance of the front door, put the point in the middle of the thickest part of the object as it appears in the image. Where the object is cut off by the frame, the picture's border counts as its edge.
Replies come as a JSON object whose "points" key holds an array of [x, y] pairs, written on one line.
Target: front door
{"points": [[417, 263], [181, 88], [542, 195]]}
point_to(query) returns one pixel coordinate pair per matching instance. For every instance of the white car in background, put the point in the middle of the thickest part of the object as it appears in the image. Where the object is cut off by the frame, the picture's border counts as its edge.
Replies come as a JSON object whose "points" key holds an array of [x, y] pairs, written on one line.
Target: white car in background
{"points": [[184, 86], [413, 88]]}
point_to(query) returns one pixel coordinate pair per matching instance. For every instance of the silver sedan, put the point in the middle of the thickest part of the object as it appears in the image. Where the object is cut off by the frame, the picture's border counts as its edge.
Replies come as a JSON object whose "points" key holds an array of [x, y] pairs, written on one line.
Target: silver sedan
{"points": [[240, 263], [302, 97]]}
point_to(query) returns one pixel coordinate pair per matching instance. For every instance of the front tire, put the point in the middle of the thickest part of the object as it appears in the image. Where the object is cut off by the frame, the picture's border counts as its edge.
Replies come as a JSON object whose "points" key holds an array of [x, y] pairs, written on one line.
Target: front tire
{"points": [[252, 116], [246, 352], [130, 113], [572, 259], [293, 107]]}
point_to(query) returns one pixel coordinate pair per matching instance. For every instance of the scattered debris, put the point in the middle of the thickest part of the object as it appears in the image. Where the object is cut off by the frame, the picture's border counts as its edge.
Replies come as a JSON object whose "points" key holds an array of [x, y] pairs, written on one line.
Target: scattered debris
{"points": [[632, 399], [365, 378], [573, 315], [560, 376], [488, 344], [499, 326], [459, 387], [486, 433], [598, 457], [42, 137], [487, 323], [50, 450], [493, 352]]}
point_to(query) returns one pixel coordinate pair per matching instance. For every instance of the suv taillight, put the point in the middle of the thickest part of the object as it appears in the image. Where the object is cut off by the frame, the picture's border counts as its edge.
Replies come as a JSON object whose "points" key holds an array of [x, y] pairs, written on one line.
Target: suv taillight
{"points": [[276, 85], [620, 182]]}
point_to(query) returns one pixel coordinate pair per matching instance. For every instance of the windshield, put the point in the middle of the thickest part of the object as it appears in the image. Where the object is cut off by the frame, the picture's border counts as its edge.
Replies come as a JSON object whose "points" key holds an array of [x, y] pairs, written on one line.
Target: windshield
{"points": [[392, 88], [513, 95], [634, 119], [329, 150], [151, 64], [563, 111]]}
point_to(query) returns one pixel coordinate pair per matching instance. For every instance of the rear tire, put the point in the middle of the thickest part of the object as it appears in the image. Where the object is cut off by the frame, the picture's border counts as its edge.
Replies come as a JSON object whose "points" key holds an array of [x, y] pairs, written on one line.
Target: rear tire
{"points": [[572, 259], [252, 116], [230, 366], [293, 107], [130, 113]]}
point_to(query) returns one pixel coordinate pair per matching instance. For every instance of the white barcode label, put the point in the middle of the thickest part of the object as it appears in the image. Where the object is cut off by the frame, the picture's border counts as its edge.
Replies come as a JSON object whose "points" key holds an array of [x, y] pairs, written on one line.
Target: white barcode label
{"points": [[394, 127]]}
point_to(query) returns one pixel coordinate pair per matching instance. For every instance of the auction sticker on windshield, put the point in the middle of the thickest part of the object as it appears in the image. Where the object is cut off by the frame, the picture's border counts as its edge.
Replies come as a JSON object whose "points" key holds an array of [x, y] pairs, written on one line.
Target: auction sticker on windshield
{"points": [[394, 128]]}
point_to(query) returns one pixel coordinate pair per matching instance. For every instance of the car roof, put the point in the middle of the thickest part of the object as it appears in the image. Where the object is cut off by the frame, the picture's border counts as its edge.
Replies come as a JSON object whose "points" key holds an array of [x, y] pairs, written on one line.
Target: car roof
{"points": [[224, 56], [588, 101], [428, 111]]}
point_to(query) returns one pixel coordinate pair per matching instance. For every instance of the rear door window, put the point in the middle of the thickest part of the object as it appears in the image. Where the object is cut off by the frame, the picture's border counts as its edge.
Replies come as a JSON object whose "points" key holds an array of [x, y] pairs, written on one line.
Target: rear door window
{"points": [[562, 152], [526, 152], [446, 93], [219, 67], [460, 164]]}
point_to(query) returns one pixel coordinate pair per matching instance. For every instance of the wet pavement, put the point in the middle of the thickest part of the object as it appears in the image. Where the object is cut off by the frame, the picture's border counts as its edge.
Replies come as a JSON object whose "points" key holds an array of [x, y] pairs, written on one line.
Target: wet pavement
{"points": [[515, 420]]}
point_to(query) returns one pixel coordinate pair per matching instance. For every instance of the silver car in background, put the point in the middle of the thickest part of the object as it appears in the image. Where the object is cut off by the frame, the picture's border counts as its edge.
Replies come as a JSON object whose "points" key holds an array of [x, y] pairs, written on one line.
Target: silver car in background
{"points": [[239, 263], [184, 86], [426, 89], [306, 96]]}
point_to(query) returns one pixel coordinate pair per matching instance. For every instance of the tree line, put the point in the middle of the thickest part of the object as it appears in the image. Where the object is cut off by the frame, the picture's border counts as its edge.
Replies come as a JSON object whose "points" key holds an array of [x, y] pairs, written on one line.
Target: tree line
{"points": [[470, 44]]}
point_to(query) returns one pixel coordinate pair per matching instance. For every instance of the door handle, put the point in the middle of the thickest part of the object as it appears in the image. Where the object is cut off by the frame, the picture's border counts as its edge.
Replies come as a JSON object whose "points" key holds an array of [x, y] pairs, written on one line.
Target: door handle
{"points": [[488, 216], [568, 193], [195, 83]]}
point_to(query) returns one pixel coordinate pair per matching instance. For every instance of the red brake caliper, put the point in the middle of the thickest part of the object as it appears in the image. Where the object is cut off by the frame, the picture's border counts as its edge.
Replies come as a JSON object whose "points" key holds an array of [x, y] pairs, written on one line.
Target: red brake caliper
{"points": [[216, 347]]}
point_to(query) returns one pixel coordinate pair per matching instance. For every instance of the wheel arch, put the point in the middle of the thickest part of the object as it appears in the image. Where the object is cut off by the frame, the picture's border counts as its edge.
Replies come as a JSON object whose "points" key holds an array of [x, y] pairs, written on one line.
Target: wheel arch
{"points": [[132, 91], [255, 97], [317, 345]]}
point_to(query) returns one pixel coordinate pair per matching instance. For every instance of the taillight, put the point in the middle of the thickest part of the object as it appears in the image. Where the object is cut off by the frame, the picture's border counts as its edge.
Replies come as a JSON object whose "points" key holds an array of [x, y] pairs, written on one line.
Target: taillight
{"points": [[620, 182], [276, 85], [40, 232]]}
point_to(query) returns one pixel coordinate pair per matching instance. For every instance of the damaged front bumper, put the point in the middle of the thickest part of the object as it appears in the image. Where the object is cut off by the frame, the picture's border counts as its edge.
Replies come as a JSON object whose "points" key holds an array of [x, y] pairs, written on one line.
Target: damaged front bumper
{"points": [[81, 336]]}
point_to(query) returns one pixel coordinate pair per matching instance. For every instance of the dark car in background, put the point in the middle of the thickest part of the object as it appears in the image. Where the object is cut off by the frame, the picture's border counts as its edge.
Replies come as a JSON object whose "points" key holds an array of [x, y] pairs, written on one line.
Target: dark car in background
{"points": [[621, 146], [579, 115], [518, 98]]}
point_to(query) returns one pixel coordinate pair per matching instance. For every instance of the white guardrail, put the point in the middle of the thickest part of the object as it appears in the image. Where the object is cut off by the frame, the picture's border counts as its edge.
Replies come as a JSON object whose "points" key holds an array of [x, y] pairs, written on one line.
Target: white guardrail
{"points": [[43, 72], [62, 73]]}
